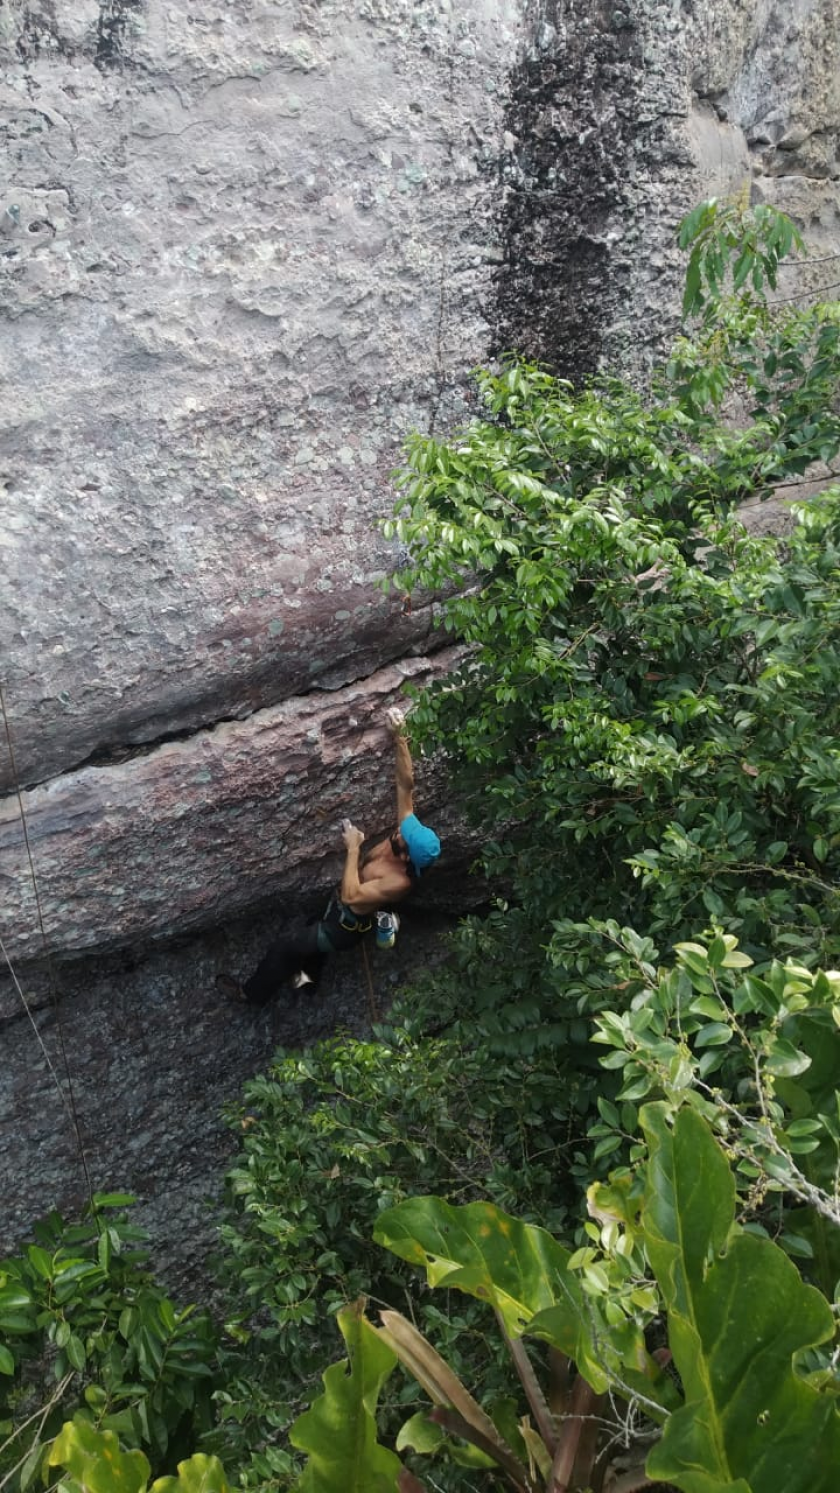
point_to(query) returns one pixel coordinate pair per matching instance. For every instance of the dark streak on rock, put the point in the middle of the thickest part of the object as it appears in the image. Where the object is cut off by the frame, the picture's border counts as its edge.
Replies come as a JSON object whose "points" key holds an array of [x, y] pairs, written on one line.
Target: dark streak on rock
{"points": [[571, 111], [40, 33], [113, 31]]}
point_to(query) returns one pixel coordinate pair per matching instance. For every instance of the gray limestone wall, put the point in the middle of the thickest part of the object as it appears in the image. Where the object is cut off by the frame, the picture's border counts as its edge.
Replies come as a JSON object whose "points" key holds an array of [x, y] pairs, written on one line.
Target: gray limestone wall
{"points": [[241, 255], [245, 249], [620, 117]]}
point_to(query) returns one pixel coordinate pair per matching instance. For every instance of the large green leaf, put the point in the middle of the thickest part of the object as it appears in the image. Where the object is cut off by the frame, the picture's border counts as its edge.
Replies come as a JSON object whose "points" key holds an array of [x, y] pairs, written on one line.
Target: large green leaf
{"points": [[94, 1461], [523, 1273], [689, 1207], [339, 1432], [480, 1250], [738, 1312], [198, 1474]]}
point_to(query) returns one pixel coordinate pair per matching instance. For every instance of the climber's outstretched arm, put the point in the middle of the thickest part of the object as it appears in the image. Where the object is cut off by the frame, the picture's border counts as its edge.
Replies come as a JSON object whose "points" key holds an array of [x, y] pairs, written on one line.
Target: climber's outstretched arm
{"points": [[405, 769]]}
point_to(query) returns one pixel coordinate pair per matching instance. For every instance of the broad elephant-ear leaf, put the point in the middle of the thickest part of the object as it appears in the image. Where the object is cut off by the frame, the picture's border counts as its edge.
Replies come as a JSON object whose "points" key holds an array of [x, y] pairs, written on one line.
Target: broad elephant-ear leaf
{"points": [[477, 1249], [93, 1459], [522, 1272], [198, 1474], [338, 1433], [738, 1313]]}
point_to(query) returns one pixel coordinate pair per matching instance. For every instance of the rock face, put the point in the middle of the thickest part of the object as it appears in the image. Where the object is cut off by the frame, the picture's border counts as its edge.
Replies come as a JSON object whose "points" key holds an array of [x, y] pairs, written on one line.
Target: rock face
{"points": [[243, 250], [153, 1053], [619, 118], [241, 254], [208, 828]]}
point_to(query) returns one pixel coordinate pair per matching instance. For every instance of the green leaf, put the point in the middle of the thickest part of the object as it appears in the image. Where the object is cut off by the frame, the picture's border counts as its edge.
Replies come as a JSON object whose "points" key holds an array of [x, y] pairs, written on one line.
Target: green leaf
{"points": [[14, 1299], [41, 1261], [419, 1434], [7, 1362], [736, 959], [93, 1458], [519, 1269], [692, 296], [103, 1252], [198, 1474], [31, 1464], [713, 1035], [785, 1060], [338, 1434], [478, 1249], [738, 1312]]}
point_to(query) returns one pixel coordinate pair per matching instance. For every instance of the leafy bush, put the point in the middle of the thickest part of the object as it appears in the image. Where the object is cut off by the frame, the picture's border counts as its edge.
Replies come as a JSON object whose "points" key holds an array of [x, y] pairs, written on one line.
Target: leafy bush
{"points": [[740, 1412], [83, 1325], [756, 1050], [92, 1459], [646, 719], [737, 1065], [331, 1137]]}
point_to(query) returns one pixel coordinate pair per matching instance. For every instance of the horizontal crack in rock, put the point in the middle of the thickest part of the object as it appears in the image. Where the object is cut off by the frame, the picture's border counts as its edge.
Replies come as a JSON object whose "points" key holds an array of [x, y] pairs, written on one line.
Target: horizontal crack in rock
{"points": [[111, 754]]}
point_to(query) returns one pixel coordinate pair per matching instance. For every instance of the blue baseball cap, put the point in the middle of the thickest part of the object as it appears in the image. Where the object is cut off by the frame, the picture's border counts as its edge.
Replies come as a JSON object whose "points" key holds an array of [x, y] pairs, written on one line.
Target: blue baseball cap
{"points": [[423, 844]]}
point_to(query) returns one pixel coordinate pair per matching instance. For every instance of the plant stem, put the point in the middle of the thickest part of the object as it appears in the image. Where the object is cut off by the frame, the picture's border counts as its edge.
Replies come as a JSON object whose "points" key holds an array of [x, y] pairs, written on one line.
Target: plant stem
{"points": [[584, 1404]]}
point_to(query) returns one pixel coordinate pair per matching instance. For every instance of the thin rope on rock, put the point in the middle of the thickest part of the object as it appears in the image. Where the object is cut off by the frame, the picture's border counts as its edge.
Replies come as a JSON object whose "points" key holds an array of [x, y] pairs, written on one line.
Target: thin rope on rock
{"points": [[68, 1100], [373, 1009], [28, 1009]]}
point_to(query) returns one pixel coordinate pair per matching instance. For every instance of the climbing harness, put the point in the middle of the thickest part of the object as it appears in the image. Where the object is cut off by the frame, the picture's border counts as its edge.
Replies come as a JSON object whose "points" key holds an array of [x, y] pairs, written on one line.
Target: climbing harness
{"points": [[352, 922]]}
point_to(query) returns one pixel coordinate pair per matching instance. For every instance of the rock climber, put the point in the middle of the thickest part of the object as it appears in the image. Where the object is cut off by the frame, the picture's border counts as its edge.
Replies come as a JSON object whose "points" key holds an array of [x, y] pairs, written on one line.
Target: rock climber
{"points": [[370, 883]]}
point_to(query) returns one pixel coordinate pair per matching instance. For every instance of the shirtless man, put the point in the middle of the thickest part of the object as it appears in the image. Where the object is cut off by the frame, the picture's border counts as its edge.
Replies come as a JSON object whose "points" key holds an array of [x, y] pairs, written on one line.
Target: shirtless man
{"points": [[383, 877]]}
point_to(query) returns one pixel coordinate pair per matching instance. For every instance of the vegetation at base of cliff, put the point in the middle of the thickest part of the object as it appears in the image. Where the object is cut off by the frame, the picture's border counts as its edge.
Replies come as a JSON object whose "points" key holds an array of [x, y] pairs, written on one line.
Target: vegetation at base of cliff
{"points": [[645, 722], [740, 1393], [85, 1330], [331, 1137]]}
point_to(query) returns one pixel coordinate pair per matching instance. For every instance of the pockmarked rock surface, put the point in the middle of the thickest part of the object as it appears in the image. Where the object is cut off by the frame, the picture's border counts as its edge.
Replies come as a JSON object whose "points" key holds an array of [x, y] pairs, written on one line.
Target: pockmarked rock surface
{"points": [[241, 254], [151, 1053], [620, 117], [206, 828], [245, 249]]}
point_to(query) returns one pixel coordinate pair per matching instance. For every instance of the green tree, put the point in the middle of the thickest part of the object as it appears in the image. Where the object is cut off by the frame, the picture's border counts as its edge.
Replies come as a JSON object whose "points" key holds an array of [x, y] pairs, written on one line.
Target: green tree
{"points": [[741, 1394], [85, 1328], [329, 1138], [645, 718]]}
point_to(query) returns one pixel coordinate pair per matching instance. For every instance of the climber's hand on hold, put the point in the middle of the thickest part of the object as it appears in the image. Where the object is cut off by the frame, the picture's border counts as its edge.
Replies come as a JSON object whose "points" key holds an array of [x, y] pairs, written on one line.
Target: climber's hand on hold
{"points": [[353, 838], [395, 720]]}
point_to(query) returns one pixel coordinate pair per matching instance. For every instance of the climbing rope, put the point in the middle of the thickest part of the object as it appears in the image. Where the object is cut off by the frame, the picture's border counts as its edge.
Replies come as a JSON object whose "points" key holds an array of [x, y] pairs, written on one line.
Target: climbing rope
{"points": [[373, 1009], [68, 1100]]}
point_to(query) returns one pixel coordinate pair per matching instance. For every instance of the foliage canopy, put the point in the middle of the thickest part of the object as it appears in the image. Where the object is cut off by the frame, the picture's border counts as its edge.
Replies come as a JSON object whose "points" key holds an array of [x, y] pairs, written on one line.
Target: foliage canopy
{"points": [[645, 718]]}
